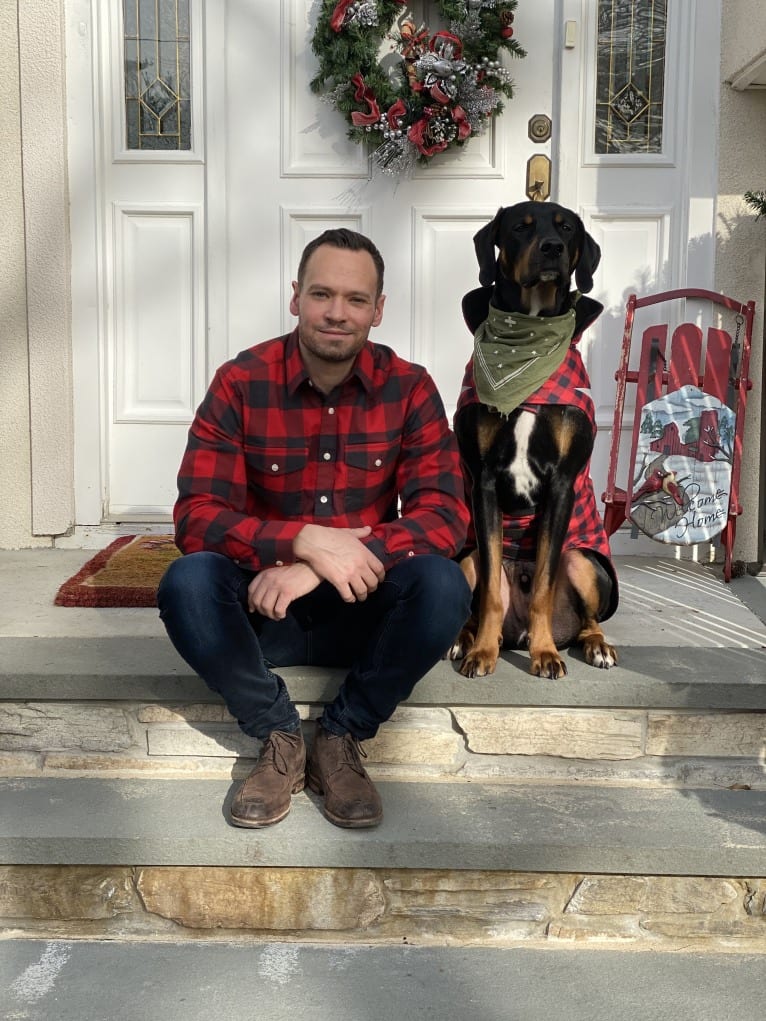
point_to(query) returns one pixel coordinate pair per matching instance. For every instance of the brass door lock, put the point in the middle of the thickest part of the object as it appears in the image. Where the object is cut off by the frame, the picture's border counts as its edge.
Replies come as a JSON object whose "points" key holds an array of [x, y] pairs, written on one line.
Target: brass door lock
{"points": [[539, 128]]}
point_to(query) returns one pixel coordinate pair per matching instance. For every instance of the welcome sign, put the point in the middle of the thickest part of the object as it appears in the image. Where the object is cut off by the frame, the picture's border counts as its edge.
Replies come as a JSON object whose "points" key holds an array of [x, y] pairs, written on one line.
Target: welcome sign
{"points": [[682, 482]]}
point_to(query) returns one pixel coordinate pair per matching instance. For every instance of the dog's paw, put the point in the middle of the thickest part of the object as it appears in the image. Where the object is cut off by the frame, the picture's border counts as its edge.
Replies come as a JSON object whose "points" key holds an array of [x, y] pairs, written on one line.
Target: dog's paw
{"points": [[548, 664], [600, 654], [478, 663], [462, 644]]}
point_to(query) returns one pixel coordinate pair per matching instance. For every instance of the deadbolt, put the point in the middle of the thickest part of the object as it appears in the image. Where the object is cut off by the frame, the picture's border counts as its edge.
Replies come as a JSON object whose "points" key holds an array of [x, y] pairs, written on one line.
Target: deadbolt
{"points": [[539, 128]]}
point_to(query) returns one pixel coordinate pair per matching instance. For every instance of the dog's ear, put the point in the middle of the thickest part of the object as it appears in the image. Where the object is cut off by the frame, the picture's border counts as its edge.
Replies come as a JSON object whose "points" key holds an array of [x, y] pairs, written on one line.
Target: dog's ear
{"points": [[484, 243], [590, 257]]}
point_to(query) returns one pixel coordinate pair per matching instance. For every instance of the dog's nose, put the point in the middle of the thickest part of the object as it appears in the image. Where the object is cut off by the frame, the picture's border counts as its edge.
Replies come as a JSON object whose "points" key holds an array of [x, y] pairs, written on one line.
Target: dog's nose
{"points": [[552, 247]]}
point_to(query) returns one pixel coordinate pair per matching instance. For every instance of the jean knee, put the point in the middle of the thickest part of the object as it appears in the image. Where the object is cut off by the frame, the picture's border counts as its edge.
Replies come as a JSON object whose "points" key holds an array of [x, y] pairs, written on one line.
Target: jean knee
{"points": [[439, 582], [192, 579]]}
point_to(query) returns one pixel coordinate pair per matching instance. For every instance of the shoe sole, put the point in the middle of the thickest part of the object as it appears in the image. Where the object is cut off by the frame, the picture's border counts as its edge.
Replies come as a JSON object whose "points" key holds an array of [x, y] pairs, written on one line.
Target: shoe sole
{"points": [[256, 824], [346, 824]]}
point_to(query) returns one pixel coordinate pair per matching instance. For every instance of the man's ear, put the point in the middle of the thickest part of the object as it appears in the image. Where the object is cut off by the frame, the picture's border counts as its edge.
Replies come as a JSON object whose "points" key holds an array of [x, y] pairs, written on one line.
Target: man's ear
{"points": [[379, 310], [294, 299]]}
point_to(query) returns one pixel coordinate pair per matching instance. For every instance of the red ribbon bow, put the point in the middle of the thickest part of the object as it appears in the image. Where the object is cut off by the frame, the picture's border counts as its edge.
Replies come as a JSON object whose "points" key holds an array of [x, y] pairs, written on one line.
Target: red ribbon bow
{"points": [[364, 94]]}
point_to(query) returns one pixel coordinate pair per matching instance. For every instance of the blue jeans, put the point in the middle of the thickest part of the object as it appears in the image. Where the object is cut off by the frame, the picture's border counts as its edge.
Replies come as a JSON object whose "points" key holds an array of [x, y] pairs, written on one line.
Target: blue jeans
{"points": [[388, 642]]}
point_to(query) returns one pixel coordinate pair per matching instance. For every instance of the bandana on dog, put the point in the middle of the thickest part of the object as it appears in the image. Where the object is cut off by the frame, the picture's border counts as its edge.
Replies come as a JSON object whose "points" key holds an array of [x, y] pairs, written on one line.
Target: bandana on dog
{"points": [[514, 354]]}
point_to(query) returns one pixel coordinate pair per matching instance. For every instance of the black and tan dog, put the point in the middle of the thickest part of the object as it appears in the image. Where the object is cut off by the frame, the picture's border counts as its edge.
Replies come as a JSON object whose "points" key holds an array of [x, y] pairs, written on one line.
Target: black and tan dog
{"points": [[540, 570]]}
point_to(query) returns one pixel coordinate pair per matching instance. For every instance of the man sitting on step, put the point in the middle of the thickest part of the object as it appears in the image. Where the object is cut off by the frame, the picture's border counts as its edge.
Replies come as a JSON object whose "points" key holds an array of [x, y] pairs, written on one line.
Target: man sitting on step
{"points": [[320, 504]]}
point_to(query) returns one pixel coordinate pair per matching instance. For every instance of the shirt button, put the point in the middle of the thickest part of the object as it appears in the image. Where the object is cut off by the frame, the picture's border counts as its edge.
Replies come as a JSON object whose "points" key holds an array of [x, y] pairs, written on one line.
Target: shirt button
{"points": [[378, 462], [411, 553], [327, 455], [323, 499], [275, 467], [331, 411], [279, 563]]}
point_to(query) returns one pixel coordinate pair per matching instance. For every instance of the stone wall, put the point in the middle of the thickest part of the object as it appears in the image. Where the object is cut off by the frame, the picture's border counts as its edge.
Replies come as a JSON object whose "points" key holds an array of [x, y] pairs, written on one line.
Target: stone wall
{"points": [[679, 747], [414, 906]]}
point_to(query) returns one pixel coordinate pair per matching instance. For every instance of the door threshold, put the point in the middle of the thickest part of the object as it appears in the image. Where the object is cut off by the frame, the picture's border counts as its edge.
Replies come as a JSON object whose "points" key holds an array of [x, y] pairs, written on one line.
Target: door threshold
{"points": [[99, 536]]}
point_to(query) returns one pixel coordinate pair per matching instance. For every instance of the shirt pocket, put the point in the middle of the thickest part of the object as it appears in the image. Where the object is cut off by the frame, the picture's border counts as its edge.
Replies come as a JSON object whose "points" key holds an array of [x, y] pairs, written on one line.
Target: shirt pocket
{"points": [[370, 473], [276, 476]]}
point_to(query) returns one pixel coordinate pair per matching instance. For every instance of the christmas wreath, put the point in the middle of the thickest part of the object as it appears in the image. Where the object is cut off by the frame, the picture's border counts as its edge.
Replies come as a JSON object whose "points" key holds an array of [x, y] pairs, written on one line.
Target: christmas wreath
{"points": [[432, 91]]}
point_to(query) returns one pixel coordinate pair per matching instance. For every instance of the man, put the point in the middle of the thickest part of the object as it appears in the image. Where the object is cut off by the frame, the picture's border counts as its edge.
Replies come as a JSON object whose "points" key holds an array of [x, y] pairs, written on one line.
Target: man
{"points": [[320, 504]]}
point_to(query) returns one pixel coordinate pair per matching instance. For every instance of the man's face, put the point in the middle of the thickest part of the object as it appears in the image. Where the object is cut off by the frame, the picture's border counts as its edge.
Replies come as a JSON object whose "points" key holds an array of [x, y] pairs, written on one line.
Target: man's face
{"points": [[337, 303]]}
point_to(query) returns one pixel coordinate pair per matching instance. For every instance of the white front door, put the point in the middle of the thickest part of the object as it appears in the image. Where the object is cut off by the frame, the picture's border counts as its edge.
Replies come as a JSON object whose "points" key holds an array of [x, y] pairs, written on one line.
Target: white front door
{"points": [[195, 249]]}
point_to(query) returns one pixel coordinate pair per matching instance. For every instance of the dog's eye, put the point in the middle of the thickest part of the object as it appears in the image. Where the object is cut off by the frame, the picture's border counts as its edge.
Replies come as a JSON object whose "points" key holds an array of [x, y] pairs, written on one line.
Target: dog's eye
{"points": [[519, 228], [566, 227]]}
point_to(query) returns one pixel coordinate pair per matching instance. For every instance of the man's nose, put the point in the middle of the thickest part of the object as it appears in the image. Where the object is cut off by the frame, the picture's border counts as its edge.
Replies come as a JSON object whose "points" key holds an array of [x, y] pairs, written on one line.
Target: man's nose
{"points": [[336, 309]]}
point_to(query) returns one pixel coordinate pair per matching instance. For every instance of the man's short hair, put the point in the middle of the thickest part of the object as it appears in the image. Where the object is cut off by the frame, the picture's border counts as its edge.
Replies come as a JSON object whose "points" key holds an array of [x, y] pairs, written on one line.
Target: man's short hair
{"points": [[342, 237]]}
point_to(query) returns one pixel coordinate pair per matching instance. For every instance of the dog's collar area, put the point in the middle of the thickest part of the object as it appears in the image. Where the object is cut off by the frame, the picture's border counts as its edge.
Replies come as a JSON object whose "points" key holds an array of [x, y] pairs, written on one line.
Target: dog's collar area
{"points": [[476, 304], [514, 354]]}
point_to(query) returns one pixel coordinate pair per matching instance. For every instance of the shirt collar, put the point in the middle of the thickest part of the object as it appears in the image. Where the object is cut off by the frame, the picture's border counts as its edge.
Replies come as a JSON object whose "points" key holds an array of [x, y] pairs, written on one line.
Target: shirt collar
{"points": [[296, 374]]}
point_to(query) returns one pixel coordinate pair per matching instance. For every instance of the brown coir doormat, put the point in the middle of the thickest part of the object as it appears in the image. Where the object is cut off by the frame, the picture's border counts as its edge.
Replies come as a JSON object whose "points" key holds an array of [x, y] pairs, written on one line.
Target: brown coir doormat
{"points": [[126, 573]]}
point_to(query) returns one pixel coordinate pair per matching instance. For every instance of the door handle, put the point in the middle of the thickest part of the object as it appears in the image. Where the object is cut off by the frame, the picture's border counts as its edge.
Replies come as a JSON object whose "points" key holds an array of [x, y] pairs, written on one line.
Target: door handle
{"points": [[538, 178]]}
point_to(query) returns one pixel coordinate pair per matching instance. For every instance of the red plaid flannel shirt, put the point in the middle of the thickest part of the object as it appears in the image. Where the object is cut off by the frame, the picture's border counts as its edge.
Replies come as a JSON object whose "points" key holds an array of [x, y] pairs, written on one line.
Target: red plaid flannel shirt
{"points": [[267, 453], [586, 529]]}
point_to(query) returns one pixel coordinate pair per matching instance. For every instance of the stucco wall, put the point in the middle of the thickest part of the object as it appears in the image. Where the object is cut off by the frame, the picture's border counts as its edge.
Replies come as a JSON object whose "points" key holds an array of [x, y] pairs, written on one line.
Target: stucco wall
{"points": [[36, 377], [741, 242], [15, 455], [743, 35]]}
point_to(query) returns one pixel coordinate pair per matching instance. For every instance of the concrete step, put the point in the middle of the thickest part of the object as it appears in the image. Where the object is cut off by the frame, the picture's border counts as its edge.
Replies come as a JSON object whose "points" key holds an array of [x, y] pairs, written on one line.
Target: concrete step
{"points": [[535, 828], [277, 980]]}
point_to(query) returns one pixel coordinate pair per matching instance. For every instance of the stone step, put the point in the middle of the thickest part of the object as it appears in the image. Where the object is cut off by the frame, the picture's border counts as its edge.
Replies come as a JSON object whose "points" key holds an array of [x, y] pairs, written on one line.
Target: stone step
{"points": [[147, 668], [129, 706], [535, 828], [278, 980]]}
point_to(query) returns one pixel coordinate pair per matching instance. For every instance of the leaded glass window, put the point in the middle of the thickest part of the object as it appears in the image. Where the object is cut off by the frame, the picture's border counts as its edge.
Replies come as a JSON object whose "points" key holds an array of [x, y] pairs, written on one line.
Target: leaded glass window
{"points": [[157, 74], [630, 76]]}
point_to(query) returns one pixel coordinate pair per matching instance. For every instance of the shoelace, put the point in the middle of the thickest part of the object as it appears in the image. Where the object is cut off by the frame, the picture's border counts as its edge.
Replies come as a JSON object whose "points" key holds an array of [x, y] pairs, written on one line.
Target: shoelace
{"points": [[353, 753], [272, 754]]}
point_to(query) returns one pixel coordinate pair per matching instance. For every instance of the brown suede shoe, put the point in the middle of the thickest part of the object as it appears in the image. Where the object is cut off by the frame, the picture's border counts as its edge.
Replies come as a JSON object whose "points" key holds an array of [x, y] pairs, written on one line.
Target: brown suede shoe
{"points": [[264, 797], [335, 769]]}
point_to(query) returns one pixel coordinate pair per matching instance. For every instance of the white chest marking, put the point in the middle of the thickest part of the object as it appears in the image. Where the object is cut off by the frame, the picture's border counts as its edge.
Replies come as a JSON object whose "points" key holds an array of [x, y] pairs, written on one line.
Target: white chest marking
{"points": [[519, 470]]}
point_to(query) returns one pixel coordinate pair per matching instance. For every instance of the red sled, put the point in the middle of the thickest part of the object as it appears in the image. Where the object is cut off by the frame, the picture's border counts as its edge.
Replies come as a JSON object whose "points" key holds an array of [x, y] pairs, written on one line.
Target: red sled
{"points": [[682, 478]]}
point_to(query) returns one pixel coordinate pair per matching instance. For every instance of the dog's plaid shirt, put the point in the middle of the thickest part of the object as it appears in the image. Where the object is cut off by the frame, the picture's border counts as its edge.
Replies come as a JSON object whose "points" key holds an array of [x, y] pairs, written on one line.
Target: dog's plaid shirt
{"points": [[568, 385], [268, 453]]}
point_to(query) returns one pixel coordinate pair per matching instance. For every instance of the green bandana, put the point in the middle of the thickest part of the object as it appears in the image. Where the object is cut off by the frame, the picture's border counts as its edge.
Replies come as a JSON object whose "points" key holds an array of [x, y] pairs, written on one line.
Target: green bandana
{"points": [[514, 354]]}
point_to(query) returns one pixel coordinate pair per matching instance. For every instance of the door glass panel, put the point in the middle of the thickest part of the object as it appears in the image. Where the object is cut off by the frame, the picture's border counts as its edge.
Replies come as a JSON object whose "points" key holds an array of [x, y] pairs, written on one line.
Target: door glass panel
{"points": [[157, 74], [630, 76]]}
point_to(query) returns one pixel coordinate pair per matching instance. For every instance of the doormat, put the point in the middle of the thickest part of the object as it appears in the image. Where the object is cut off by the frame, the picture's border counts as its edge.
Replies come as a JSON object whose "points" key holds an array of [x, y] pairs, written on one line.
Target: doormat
{"points": [[126, 573]]}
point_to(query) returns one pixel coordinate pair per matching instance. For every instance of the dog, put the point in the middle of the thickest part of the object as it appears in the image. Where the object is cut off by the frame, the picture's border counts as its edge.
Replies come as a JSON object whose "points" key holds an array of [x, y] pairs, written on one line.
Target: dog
{"points": [[541, 575]]}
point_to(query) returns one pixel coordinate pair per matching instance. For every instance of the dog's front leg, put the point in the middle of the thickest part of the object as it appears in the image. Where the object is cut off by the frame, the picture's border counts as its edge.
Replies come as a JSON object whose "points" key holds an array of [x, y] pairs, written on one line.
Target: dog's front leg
{"points": [[545, 660], [481, 659]]}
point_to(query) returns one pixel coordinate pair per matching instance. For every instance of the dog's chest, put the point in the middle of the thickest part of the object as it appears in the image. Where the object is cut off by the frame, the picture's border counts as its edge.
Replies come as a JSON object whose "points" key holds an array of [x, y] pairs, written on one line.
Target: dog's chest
{"points": [[518, 465]]}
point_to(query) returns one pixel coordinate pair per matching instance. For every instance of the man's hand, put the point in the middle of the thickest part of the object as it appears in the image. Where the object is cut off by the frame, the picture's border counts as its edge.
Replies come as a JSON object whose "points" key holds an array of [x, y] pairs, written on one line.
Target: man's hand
{"points": [[272, 590], [339, 556]]}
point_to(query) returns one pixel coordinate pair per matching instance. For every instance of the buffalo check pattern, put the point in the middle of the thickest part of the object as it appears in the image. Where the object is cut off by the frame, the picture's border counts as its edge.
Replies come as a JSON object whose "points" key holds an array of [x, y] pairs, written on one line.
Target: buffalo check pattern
{"points": [[268, 453]]}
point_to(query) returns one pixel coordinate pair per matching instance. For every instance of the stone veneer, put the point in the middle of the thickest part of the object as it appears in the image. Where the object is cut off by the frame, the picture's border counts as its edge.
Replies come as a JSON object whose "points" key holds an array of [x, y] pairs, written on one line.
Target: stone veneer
{"points": [[382, 905], [690, 747]]}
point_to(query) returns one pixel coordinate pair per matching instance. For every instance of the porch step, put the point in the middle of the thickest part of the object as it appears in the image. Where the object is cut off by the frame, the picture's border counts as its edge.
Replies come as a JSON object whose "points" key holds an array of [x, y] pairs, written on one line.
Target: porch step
{"points": [[277, 980], [121, 668], [535, 828]]}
